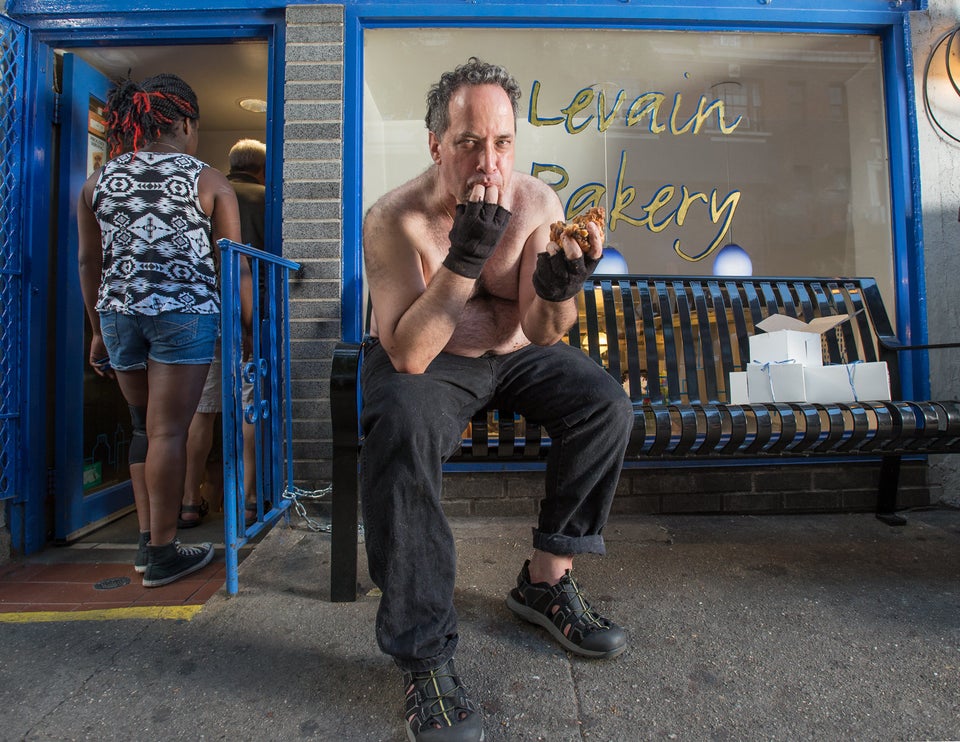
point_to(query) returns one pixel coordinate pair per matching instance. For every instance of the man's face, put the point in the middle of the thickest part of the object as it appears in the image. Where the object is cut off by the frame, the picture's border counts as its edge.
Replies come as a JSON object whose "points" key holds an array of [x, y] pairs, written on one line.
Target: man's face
{"points": [[477, 150]]}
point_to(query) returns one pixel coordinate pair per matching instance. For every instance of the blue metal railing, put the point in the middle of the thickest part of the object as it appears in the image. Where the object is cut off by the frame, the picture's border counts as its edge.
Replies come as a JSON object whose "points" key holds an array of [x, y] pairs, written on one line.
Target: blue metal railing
{"points": [[256, 396], [12, 43]]}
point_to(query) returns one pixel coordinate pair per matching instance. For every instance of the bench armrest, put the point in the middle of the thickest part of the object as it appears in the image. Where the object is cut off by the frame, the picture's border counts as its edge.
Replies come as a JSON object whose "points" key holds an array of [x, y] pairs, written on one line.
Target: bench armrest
{"points": [[345, 393], [891, 343], [345, 421]]}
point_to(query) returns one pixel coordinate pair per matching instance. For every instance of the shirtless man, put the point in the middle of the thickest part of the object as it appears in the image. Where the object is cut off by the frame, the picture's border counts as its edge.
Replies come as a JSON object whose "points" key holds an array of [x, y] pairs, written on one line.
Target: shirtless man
{"points": [[470, 304]]}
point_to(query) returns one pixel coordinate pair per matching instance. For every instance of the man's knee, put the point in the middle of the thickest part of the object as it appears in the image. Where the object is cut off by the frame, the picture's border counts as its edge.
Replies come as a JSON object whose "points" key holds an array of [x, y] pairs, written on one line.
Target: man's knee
{"points": [[138, 442]]}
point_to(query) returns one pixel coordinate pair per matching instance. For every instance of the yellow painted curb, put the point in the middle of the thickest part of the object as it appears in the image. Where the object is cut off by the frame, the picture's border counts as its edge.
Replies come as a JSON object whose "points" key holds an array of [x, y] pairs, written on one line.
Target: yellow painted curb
{"points": [[176, 612]]}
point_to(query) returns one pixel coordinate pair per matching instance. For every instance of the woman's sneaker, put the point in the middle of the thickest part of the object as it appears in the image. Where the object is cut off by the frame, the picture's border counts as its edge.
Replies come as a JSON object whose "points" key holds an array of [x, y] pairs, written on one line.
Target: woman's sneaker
{"points": [[172, 561], [563, 611], [143, 556]]}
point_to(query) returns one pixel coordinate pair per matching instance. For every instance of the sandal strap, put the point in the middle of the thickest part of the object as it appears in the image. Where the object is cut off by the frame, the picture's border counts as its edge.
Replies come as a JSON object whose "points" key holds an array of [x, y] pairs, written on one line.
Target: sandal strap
{"points": [[436, 697], [564, 604]]}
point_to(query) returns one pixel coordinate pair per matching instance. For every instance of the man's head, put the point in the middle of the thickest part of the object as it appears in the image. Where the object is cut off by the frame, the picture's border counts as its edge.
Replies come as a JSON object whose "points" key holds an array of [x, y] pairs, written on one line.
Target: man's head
{"points": [[249, 156], [472, 72], [472, 122]]}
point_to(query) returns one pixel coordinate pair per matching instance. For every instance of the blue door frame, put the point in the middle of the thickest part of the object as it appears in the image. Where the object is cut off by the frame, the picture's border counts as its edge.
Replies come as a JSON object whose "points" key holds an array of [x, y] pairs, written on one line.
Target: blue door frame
{"points": [[75, 511], [88, 25]]}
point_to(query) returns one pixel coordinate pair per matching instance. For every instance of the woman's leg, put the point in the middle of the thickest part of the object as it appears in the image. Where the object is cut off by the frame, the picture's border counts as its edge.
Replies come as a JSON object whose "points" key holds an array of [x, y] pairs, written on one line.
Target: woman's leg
{"points": [[174, 390], [133, 386]]}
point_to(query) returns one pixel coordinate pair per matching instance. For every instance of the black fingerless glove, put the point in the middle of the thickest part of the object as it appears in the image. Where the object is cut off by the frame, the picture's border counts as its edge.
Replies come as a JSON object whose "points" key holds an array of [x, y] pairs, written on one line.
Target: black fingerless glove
{"points": [[557, 279], [477, 228]]}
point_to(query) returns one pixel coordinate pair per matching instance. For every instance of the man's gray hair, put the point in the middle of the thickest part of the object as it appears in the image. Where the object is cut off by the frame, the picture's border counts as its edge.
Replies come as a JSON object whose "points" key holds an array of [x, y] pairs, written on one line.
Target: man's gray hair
{"points": [[248, 156], [472, 72]]}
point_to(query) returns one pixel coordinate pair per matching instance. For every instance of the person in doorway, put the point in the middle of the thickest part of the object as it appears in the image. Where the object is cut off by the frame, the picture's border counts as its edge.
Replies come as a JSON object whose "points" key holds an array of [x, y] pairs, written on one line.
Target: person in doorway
{"points": [[149, 220], [248, 176], [248, 166], [470, 302], [194, 506]]}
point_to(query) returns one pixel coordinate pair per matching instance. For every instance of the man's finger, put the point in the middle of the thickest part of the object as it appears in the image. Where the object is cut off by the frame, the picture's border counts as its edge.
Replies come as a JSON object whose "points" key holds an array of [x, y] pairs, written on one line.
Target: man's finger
{"points": [[491, 194], [570, 247], [476, 192]]}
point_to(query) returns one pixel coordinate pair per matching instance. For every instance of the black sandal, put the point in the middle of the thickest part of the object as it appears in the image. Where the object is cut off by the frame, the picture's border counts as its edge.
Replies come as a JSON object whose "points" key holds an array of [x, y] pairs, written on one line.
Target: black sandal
{"points": [[201, 510], [438, 708], [563, 611]]}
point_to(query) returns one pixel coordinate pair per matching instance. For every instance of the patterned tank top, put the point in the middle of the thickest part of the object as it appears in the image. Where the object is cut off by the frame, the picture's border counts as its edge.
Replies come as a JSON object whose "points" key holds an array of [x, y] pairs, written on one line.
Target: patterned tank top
{"points": [[157, 244]]}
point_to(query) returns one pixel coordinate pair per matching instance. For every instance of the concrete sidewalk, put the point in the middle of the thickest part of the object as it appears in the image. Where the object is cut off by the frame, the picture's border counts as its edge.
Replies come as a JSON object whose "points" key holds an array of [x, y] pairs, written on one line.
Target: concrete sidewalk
{"points": [[741, 628]]}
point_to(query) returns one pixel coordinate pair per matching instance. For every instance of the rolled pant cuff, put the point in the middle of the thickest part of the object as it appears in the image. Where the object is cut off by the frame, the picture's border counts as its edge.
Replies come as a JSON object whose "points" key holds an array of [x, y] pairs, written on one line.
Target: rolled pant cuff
{"points": [[560, 545], [413, 665]]}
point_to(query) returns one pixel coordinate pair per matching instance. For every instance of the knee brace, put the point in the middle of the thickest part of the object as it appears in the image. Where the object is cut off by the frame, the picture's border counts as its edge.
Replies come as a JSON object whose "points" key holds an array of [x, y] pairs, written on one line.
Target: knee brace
{"points": [[138, 444]]}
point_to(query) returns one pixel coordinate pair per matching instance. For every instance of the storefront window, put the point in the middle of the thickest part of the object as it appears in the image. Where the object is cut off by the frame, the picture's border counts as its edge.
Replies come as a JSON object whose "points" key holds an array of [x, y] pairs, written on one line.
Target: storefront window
{"points": [[690, 140]]}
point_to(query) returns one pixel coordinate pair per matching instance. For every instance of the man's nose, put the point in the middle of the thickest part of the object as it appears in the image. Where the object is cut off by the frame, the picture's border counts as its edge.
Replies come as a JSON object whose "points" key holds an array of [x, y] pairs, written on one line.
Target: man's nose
{"points": [[487, 162]]}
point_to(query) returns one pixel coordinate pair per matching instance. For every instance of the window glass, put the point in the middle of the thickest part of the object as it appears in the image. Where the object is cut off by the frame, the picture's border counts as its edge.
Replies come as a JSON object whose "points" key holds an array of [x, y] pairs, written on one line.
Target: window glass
{"points": [[690, 140]]}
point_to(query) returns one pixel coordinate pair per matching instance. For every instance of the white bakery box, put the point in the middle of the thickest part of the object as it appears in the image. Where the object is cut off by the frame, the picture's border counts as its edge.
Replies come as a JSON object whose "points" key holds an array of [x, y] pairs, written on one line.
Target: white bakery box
{"points": [[786, 365]]}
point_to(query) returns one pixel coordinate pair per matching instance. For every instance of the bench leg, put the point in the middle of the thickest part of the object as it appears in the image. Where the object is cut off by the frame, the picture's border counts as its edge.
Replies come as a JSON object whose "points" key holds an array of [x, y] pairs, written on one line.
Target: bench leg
{"points": [[343, 526], [887, 497]]}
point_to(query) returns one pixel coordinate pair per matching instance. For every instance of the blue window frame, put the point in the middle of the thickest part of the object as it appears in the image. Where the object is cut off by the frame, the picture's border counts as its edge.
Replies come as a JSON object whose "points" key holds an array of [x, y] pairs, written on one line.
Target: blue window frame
{"points": [[888, 23]]}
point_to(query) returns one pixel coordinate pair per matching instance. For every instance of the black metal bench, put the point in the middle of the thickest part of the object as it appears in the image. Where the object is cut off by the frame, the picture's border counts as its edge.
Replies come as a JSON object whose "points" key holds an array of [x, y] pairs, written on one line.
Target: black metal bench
{"points": [[673, 341]]}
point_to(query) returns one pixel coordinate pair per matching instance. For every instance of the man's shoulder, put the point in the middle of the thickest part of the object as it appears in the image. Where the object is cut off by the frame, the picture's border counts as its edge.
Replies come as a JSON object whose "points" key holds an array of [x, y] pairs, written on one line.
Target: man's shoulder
{"points": [[533, 189], [400, 204]]}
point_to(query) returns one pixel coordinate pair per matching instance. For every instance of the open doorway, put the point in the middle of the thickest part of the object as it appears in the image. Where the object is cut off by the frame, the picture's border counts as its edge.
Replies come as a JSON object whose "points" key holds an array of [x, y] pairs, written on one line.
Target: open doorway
{"points": [[222, 75], [91, 427]]}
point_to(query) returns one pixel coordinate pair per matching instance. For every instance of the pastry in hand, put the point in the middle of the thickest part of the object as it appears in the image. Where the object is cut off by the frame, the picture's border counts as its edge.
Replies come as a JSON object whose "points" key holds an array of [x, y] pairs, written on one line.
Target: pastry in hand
{"points": [[577, 227]]}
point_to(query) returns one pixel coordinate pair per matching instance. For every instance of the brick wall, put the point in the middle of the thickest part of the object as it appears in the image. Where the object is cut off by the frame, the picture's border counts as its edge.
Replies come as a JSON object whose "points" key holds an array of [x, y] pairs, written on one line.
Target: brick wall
{"points": [[312, 199], [790, 488]]}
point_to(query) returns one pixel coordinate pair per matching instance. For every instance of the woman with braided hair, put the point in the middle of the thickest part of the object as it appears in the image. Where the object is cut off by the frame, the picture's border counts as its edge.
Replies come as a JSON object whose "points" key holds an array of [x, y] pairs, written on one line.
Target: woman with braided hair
{"points": [[149, 222]]}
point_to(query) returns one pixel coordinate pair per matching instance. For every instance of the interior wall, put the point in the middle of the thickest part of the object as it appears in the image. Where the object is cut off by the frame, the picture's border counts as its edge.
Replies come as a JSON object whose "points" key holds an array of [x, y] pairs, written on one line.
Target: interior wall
{"points": [[214, 146]]}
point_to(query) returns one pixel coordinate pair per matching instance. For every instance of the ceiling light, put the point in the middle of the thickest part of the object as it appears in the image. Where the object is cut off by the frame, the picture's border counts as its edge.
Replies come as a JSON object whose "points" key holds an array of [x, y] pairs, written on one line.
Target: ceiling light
{"points": [[253, 104]]}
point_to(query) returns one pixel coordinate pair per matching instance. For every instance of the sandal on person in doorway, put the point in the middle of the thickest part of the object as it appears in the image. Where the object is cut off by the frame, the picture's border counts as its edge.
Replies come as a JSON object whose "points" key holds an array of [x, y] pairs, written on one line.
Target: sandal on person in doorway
{"points": [[199, 510], [250, 514]]}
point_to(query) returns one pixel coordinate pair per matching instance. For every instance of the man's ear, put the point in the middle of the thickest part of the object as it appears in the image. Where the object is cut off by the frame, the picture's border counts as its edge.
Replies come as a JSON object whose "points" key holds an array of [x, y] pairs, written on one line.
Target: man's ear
{"points": [[434, 146]]}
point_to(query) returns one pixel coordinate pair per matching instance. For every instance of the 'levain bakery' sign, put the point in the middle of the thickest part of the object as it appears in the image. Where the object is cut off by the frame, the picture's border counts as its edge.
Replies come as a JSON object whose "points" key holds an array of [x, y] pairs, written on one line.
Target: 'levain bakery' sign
{"points": [[669, 204]]}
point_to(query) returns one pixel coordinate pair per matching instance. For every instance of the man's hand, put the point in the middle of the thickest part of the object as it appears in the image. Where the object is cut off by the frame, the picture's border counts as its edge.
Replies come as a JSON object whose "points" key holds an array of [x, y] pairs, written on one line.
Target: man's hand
{"points": [[560, 273], [477, 227]]}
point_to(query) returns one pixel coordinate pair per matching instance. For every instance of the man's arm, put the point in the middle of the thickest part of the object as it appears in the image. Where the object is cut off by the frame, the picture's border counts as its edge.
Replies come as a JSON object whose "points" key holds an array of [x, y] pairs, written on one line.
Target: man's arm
{"points": [[417, 314], [415, 320], [543, 271]]}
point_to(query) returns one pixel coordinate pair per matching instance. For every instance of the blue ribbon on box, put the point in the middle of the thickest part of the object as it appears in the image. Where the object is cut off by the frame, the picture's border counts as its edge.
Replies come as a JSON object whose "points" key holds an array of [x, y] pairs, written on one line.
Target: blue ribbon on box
{"points": [[851, 372], [765, 367]]}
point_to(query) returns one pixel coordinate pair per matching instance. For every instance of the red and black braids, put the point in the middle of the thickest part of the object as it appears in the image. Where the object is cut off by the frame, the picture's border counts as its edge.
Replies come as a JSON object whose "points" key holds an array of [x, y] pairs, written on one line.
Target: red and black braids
{"points": [[138, 114]]}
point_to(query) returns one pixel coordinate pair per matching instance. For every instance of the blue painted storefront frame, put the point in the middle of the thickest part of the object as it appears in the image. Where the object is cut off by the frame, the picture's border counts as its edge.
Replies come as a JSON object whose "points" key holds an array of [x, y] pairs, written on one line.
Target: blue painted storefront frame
{"points": [[87, 23], [78, 25], [888, 21]]}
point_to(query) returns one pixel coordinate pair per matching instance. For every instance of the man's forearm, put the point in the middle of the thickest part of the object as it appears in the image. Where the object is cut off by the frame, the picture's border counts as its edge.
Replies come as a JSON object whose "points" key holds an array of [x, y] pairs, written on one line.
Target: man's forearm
{"points": [[547, 322], [427, 326]]}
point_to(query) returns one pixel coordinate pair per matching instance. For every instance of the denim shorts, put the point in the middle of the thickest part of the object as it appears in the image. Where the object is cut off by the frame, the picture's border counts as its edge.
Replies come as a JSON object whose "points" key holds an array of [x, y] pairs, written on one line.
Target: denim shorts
{"points": [[169, 337]]}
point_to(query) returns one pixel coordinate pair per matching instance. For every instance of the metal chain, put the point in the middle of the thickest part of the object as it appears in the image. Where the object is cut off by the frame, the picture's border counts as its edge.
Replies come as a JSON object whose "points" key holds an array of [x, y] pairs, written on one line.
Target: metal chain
{"points": [[295, 495]]}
